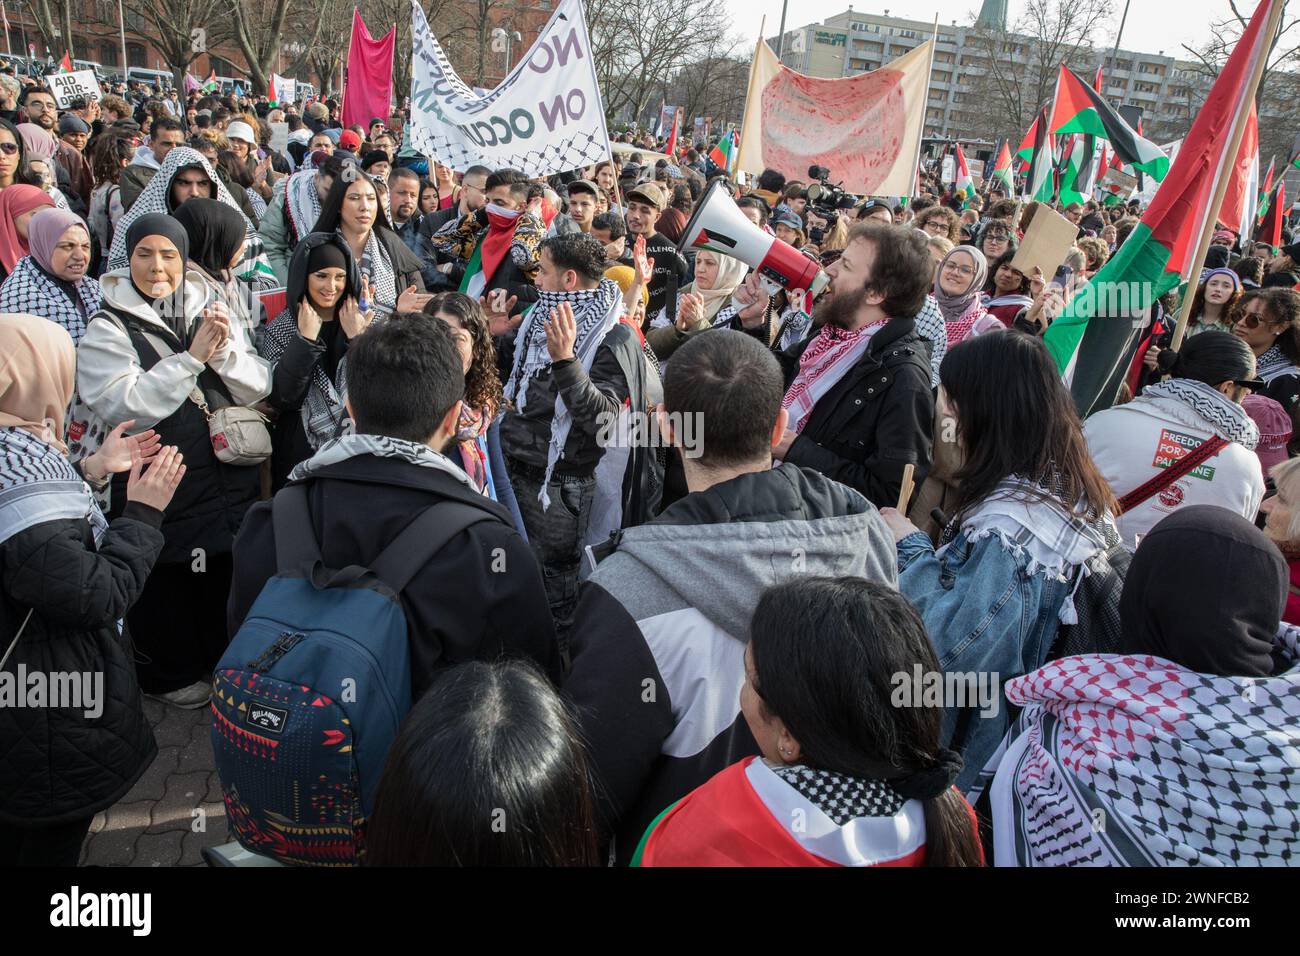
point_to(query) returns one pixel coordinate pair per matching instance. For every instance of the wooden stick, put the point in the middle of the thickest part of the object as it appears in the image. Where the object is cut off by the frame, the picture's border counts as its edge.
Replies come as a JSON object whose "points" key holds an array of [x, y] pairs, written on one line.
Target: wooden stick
{"points": [[905, 493]]}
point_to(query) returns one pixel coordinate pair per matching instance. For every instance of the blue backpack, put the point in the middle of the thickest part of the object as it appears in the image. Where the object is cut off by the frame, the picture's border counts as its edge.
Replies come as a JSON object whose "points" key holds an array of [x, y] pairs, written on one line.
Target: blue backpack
{"points": [[309, 695]]}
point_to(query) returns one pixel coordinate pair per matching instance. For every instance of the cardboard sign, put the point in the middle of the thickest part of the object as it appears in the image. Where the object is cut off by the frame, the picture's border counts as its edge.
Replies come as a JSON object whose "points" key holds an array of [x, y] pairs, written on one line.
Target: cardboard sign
{"points": [[1046, 244], [67, 87], [280, 138], [949, 173], [1122, 181]]}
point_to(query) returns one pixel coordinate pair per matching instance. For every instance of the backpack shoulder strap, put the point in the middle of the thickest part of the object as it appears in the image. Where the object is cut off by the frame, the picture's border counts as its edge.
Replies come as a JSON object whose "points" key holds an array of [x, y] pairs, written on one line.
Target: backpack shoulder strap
{"points": [[1158, 483], [422, 539], [295, 538]]}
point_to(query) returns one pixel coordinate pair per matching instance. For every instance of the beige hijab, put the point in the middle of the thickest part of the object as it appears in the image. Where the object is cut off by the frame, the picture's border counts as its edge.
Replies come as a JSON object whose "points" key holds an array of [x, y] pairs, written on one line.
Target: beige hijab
{"points": [[730, 273], [37, 374]]}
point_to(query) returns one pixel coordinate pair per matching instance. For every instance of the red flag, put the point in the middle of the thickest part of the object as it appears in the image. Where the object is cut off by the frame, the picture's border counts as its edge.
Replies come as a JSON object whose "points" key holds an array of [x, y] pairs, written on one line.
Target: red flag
{"points": [[670, 148], [1237, 211], [369, 89], [1270, 229]]}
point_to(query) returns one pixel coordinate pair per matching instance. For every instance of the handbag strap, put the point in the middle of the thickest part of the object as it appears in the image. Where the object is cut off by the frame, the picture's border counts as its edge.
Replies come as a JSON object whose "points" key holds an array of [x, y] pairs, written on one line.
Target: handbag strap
{"points": [[14, 643], [1158, 483]]}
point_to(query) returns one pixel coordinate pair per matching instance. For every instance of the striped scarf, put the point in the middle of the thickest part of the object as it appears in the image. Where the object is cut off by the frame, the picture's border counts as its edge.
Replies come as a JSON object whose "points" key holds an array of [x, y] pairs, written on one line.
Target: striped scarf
{"points": [[30, 290], [823, 363], [38, 484]]}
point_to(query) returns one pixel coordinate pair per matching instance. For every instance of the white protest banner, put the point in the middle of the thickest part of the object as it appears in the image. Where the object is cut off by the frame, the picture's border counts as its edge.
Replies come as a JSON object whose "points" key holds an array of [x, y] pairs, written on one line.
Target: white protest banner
{"points": [[286, 89], [67, 87], [545, 117]]}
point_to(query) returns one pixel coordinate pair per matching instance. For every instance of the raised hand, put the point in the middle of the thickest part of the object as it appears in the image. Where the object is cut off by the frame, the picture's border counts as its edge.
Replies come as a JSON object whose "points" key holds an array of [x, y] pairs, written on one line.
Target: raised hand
{"points": [[561, 333], [156, 486], [498, 308], [309, 320], [119, 451], [412, 301]]}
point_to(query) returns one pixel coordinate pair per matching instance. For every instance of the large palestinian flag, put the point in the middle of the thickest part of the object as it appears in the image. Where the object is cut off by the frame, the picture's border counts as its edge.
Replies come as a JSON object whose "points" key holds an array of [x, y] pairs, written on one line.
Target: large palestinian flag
{"points": [[1079, 170], [1081, 109], [1098, 333]]}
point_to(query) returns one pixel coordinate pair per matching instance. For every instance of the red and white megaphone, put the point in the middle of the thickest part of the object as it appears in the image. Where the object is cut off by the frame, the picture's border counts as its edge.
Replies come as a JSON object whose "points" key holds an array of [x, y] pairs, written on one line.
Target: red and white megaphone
{"points": [[719, 226]]}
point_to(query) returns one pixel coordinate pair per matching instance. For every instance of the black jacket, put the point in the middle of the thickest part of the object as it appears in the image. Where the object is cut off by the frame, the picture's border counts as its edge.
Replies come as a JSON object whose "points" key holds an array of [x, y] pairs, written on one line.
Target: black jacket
{"points": [[587, 396], [461, 607], [57, 764], [670, 272], [875, 420]]}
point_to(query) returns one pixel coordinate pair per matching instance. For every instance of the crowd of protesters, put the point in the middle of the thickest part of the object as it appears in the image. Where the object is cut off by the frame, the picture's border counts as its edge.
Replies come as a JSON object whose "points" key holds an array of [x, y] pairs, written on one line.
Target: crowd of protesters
{"points": [[692, 612]]}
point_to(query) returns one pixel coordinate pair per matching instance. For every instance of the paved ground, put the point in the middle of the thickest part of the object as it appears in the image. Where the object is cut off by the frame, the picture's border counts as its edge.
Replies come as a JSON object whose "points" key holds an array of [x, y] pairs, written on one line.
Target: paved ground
{"points": [[156, 823]]}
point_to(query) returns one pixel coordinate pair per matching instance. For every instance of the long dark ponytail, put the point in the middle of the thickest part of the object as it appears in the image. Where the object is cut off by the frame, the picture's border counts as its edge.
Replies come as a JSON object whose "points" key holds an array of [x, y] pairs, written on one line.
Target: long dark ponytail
{"points": [[826, 653]]}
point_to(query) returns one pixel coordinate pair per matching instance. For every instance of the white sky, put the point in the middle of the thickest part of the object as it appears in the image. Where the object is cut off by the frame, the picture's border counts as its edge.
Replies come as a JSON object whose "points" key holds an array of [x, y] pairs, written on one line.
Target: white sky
{"points": [[1152, 25]]}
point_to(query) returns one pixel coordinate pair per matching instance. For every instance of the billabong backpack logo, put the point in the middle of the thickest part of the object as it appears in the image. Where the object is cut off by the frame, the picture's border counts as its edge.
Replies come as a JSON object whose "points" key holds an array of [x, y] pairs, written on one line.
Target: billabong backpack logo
{"points": [[270, 719]]}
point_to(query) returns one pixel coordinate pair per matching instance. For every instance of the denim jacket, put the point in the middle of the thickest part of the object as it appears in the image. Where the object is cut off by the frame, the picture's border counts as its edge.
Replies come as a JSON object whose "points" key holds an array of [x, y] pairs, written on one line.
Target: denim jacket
{"points": [[989, 614]]}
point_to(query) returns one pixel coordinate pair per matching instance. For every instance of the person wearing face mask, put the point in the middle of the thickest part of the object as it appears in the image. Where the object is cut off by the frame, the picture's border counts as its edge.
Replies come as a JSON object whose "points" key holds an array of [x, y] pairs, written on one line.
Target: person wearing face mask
{"points": [[69, 577], [160, 342], [495, 248], [307, 346], [183, 175], [18, 204], [390, 273], [1138, 446], [51, 281]]}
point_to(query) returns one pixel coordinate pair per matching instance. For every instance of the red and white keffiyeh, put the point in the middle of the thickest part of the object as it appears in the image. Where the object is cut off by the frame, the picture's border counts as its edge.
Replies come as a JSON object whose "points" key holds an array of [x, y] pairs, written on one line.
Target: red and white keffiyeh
{"points": [[1135, 761], [823, 363]]}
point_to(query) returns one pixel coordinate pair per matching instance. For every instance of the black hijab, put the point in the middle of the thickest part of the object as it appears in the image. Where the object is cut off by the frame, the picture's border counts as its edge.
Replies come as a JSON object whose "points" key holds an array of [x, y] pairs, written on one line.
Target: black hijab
{"points": [[215, 231], [1206, 590], [157, 224], [320, 250]]}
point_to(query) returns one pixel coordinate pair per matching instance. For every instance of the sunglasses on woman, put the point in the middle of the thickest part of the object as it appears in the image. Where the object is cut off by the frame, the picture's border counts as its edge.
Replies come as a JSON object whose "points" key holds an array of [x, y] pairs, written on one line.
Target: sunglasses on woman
{"points": [[1252, 320], [8, 148]]}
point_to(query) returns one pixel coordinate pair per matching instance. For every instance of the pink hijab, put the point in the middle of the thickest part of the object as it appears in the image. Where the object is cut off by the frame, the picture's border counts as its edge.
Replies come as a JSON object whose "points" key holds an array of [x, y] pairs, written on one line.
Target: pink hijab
{"points": [[14, 201], [37, 143], [45, 230]]}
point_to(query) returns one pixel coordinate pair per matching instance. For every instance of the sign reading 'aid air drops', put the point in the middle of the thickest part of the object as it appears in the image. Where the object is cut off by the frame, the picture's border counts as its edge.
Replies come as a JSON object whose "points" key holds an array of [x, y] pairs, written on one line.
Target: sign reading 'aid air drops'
{"points": [[545, 117]]}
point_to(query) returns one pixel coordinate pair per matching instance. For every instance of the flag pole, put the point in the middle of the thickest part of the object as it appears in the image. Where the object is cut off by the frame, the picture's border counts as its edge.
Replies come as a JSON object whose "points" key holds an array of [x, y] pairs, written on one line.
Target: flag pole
{"points": [[744, 120], [925, 107], [1221, 187]]}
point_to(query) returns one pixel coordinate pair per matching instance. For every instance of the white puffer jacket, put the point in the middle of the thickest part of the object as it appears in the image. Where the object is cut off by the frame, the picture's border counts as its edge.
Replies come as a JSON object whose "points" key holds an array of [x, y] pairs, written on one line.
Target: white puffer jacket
{"points": [[1132, 443]]}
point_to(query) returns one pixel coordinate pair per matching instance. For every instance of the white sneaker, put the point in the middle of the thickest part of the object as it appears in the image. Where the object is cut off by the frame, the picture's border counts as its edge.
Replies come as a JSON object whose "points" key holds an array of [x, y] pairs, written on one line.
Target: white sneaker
{"points": [[196, 695]]}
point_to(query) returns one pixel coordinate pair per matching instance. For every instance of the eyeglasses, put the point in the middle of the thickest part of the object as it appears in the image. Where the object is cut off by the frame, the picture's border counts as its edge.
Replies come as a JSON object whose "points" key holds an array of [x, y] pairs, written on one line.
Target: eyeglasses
{"points": [[1251, 320], [8, 148], [960, 270]]}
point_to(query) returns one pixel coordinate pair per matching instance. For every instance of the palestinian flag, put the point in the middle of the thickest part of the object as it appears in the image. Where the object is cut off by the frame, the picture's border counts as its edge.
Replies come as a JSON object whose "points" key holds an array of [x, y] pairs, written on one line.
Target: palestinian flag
{"points": [[210, 85], [724, 154], [1078, 174], [964, 180], [1095, 338], [1025, 152], [1265, 192], [670, 148], [752, 815], [1038, 184], [1238, 210], [1081, 109], [65, 65], [1002, 168], [1270, 227]]}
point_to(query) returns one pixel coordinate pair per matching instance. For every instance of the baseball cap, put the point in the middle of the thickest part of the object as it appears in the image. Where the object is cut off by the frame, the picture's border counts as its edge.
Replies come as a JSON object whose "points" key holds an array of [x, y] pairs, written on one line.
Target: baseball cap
{"points": [[584, 186], [72, 123], [240, 130], [1274, 429], [785, 216], [648, 193], [348, 139]]}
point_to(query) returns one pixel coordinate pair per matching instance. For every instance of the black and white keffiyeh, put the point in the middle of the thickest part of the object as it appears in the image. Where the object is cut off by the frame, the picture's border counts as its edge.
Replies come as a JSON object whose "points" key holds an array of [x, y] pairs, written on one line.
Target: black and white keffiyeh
{"points": [[39, 484], [376, 264], [324, 415], [840, 797], [1125, 760], [302, 203], [381, 446], [154, 198], [595, 312], [1274, 364], [931, 327], [30, 290], [1225, 417]]}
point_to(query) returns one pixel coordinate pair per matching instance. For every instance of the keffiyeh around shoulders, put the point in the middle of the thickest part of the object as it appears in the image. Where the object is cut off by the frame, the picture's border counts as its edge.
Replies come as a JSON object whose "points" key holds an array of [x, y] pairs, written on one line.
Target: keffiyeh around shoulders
{"points": [[31, 291]]}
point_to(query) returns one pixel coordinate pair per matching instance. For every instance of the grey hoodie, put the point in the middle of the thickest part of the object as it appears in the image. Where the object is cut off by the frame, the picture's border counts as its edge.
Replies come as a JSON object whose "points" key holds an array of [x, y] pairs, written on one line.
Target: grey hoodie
{"points": [[662, 624]]}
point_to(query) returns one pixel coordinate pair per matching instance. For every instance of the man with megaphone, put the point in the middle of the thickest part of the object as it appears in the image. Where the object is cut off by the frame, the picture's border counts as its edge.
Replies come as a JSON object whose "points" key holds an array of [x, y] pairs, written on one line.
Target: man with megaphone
{"points": [[858, 391]]}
